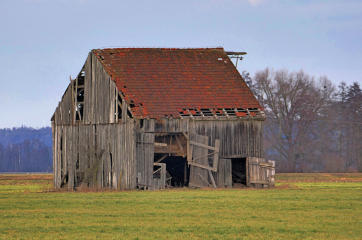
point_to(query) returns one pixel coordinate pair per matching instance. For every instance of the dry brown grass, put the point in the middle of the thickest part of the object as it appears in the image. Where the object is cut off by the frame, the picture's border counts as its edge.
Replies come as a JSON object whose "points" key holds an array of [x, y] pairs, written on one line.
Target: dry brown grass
{"points": [[318, 177]]}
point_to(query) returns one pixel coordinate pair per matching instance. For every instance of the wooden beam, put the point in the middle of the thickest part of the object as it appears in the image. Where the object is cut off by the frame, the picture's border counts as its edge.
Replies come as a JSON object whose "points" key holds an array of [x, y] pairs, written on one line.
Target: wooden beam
{"points": [[235, 53], [215, 163], [158, 144], [188, 148], [212, 178], [200, 157], [73, 100], [117, 104], [201, 166], [202, 145], [186, 135], [161, 158], [157, 170]]}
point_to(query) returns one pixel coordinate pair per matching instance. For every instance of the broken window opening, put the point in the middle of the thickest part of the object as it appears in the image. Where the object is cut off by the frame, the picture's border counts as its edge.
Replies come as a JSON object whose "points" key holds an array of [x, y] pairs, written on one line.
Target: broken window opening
{"points": [[81, 80], [79, 112], [79, 96]]}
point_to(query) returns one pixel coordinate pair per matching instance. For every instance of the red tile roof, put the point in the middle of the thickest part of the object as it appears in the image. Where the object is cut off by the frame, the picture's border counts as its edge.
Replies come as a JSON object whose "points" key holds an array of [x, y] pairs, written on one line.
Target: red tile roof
{"points": [[160, 82]]}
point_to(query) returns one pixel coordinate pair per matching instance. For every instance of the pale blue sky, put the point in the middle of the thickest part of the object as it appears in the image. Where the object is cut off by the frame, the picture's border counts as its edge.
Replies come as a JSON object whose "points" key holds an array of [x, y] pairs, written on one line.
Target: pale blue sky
{"points": [[42, 42]]}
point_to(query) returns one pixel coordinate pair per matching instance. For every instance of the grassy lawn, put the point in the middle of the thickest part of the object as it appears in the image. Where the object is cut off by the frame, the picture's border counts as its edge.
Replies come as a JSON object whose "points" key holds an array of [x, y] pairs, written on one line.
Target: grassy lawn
{"points": [[302, 206]]}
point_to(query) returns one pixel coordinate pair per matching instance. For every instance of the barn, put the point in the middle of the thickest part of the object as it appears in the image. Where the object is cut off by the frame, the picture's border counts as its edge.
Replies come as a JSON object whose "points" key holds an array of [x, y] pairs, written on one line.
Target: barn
{"points": [[153, 118]]}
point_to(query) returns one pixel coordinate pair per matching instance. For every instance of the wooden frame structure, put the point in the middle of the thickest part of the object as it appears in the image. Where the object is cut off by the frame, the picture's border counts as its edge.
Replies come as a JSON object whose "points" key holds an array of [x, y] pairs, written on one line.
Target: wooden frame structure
{"points": [[98, 142]]}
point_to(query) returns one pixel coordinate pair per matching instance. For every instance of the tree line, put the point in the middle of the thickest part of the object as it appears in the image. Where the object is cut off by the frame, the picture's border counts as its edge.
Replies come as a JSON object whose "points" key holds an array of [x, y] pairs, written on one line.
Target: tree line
{"points": [[25, 150], [311, 124]]}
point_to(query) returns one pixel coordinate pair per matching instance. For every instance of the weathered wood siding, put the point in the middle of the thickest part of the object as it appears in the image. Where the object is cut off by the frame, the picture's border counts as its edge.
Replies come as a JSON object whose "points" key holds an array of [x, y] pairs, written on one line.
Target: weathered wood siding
{"points": [[63, 112], [100, 93], [223, 175], [242, 138], [102, 156], [260, 172], [238, 137], [100, 149], [145, 159], [103, 150], [100, 97]]}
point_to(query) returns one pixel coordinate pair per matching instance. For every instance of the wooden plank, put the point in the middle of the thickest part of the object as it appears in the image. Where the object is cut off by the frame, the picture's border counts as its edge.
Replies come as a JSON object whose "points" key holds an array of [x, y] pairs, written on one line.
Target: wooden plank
{"points": [[228, 173], [158, 144], [59, 155], [75, 151], [201, 166], [70, 160], [220, 176], [202, 145], [212, 178], [215, 163], [54, 149], [188, 148], [161, 158]]}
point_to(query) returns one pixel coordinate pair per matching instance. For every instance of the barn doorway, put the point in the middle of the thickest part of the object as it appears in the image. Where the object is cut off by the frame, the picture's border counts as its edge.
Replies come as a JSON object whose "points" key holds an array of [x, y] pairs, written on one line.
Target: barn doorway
{"points": [[238, 171], [177, 170]]}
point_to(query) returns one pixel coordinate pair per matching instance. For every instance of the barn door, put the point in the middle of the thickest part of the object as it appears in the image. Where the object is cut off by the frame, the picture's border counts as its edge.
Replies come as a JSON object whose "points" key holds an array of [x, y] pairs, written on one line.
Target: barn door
{"points": [[203, 160], [261, 172]]}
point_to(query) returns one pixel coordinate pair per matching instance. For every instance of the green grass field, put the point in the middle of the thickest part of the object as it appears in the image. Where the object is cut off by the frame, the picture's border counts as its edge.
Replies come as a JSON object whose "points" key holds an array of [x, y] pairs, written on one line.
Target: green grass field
{"points": [[302, 206]]}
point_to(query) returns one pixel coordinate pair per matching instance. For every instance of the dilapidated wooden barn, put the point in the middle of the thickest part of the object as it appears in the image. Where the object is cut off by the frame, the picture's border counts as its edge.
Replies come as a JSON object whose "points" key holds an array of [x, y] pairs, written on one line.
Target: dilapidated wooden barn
{"points": [[151, 118]]}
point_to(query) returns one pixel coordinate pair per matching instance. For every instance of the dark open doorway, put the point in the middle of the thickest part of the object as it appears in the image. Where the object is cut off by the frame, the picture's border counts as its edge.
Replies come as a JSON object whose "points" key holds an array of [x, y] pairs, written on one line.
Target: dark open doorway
{"points": [[177, 170], [238, 168]]}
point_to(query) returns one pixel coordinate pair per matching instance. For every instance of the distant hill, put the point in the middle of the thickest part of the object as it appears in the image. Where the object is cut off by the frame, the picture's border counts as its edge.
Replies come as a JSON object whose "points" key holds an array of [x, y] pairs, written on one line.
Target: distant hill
{"points": [[26, 149]]}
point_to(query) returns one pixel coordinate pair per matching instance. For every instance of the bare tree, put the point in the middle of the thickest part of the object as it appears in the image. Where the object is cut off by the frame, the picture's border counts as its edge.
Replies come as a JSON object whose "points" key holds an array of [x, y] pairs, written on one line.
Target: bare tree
{"points": [[350, 114], [292, 102]]}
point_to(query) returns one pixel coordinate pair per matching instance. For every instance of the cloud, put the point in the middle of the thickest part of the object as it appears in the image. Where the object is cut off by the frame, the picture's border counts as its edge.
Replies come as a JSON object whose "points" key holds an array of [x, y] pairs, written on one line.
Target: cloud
{"points": [[255, 2]]}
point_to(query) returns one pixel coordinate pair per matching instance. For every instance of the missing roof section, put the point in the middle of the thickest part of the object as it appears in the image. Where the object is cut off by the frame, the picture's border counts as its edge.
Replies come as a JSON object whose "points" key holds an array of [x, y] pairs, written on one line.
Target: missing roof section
{"points": [[221, 112]]}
